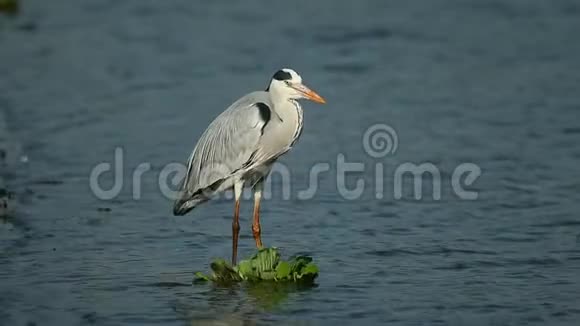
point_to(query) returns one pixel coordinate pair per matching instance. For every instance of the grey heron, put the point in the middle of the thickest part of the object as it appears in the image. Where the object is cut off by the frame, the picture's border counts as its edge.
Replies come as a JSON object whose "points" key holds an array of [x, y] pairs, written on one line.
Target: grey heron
{"points": [[238, 148]]}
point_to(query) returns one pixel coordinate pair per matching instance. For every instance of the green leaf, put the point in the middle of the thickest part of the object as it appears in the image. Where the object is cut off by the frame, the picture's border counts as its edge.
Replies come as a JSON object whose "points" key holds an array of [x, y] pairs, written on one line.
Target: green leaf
{"points": [[201, 277], [266, 260], [283, 270], [245, 270], [310, 269], [268, 276], [298, 263], [223, 272]]}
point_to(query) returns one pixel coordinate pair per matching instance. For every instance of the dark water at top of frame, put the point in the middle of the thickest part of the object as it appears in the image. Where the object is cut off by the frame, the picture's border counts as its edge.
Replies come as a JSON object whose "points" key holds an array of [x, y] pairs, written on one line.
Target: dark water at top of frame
{"points": [[494, 83]]}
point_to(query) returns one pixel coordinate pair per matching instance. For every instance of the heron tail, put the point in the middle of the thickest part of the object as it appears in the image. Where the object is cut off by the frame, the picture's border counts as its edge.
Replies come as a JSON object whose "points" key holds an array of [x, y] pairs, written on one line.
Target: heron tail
{"points": [[186, 201], [182, 205]]}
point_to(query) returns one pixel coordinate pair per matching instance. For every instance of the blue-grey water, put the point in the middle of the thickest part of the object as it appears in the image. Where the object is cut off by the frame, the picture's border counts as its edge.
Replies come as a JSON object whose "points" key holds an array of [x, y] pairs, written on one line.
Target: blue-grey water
{"points": [[494, 83]]}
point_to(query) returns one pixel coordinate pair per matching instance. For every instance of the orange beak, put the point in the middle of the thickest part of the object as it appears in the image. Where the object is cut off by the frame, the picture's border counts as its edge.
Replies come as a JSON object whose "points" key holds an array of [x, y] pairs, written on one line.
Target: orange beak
{"points": [[309, 94]]}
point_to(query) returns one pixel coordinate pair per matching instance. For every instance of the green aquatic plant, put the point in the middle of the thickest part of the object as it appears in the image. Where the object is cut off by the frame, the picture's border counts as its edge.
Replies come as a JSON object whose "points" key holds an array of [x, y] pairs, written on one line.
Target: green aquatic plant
{"points": [[265, 265], [9, 6]]}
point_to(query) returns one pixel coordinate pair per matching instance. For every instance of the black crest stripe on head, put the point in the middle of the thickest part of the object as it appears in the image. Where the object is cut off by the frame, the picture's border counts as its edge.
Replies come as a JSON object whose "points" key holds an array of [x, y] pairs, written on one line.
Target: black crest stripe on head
{"points": [[282, 75], [265, 114]]}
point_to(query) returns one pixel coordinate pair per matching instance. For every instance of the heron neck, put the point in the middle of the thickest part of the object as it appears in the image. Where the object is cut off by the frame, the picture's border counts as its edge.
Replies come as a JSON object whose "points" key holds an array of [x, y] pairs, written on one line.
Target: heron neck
{"points": [[284, 107]]}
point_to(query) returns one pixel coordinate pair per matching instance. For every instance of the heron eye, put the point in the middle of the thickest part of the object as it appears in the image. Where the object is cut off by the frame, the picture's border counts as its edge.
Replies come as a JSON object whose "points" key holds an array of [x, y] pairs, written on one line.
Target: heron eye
{"points": [[287, 83]]}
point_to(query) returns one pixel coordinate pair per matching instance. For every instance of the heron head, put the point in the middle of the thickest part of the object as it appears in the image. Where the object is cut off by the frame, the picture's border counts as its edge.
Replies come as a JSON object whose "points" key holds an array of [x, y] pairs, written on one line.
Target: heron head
{"points": [[287, 84]]}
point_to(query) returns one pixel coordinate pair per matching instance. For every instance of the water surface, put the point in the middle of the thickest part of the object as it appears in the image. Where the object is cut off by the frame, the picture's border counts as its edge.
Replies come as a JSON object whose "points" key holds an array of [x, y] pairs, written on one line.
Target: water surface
{"points": [[494, 83]]}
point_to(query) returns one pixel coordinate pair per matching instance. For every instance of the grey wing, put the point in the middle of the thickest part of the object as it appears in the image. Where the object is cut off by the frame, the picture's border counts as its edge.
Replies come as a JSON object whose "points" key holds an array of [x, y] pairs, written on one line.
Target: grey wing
{"points": [[227, 146]]}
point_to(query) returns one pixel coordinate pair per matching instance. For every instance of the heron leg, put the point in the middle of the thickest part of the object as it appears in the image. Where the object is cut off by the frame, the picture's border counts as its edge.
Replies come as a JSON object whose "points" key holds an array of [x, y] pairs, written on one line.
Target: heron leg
{"points": [[256, 230], [236, 222]]}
